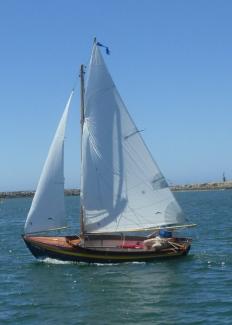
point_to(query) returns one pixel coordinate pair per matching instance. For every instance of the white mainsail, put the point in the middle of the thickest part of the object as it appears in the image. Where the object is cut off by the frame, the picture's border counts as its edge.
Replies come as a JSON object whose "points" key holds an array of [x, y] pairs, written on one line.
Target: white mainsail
{"points": [[122, 188], [47, 210]]}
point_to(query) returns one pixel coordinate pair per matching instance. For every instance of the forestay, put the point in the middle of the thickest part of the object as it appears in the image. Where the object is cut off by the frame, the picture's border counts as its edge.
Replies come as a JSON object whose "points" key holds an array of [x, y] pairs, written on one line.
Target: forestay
{"points": [[122, 187], [47, 210]]}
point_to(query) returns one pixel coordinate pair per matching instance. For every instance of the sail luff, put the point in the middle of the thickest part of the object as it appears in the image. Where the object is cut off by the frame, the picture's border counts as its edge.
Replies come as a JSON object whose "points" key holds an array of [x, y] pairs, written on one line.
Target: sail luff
{"points": [[47, 209]]}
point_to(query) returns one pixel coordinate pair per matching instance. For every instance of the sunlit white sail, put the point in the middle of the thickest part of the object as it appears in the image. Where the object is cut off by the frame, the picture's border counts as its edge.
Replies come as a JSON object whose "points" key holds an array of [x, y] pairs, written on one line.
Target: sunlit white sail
{"points": [[47, 210], [122, 187]]}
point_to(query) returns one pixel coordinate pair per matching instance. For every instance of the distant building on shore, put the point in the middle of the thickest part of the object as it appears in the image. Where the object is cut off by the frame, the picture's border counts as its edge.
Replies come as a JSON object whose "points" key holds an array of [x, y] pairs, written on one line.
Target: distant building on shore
{"points": [[223, 177]]}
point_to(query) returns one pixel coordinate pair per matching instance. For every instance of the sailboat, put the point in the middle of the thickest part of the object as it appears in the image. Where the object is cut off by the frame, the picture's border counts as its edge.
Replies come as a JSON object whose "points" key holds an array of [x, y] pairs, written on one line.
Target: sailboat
{"points": [[127, 211]]}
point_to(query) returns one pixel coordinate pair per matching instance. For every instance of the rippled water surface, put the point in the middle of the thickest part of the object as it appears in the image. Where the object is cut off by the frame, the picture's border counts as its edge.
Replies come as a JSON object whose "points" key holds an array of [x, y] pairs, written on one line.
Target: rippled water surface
{"points": [[196, 289]]}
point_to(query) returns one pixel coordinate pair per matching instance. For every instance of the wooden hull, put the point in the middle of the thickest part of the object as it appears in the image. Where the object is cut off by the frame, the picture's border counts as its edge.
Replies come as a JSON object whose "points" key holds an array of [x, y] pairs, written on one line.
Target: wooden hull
{"points": [[69, 249]]}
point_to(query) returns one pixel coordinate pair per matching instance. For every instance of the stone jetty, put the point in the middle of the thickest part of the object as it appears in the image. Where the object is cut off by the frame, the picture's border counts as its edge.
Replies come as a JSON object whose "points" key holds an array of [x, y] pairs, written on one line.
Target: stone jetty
{"points": [[187, 187], [16, 194], [212, 186]]}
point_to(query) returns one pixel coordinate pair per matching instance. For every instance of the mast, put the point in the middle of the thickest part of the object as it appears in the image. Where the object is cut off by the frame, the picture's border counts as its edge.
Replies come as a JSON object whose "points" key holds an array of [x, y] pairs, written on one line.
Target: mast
{"points": [[82, 93]]}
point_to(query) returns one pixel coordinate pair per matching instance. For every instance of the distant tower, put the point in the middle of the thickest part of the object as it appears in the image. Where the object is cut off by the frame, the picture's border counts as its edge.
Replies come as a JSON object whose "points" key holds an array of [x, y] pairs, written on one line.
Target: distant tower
{"points": [[223, 177]]}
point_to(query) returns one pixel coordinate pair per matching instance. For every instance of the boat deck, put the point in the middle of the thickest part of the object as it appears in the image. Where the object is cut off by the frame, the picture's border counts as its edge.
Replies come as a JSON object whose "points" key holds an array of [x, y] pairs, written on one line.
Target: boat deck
{"points": [[116, 245], [104, 249]]}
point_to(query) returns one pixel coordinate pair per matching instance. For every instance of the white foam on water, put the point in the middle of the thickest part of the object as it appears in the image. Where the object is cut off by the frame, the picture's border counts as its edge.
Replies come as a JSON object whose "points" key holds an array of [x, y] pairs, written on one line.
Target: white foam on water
{"points": [[49, 260], [116, 264], [223, 265], [137, 262]]}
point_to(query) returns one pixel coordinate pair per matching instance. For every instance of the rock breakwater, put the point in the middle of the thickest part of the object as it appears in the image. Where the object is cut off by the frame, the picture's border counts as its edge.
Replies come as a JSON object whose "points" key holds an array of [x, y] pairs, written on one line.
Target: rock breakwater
{"points": [[203, 186], [16, 194], [186, 187]]}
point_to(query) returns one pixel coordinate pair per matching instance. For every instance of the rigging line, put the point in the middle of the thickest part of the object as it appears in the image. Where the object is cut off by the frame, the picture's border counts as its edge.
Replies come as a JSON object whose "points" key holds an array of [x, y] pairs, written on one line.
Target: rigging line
{"points": [[74, 85], [135, 222], [139, 135], [144, 179], [92, 141], [108, 184], [133, 133], [140, 167], [134, 213], [127, 143], [75, 82], [128, 148], [141, 138], [130, 220], [119, 219]]}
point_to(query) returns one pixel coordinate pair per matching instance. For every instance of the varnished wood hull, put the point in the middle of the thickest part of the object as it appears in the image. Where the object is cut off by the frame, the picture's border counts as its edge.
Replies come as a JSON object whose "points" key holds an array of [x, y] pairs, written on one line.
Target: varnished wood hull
{"points": [[68, 249]]}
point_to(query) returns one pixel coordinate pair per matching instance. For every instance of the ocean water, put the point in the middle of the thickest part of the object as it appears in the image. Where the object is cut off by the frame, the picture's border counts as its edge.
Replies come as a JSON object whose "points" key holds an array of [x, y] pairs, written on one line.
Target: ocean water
{"points": [[196, 289]]}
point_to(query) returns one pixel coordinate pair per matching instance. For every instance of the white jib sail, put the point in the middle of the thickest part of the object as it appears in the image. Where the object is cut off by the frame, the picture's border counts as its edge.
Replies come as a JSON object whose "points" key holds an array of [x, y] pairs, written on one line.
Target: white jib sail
{"points": [[122, 187], [47, 209]]}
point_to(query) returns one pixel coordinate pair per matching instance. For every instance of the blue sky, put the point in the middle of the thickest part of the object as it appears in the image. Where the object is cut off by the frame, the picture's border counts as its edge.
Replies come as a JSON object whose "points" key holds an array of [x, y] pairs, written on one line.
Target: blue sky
{"points": [[171, 61]]}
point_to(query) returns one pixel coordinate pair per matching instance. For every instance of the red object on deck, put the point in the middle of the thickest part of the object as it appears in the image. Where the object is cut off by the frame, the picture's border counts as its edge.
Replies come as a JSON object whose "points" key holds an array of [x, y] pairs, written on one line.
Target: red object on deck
{"points": [[133, 246]]}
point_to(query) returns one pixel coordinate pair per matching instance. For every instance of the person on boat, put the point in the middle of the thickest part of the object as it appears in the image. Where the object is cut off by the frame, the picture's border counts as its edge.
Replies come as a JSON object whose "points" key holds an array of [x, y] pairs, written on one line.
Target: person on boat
{"points": [[159, 241]]}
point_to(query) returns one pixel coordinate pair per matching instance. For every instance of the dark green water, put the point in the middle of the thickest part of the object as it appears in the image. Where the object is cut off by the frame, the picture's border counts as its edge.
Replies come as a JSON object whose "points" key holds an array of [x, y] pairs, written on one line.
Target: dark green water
{"points": [[192, 290]]}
